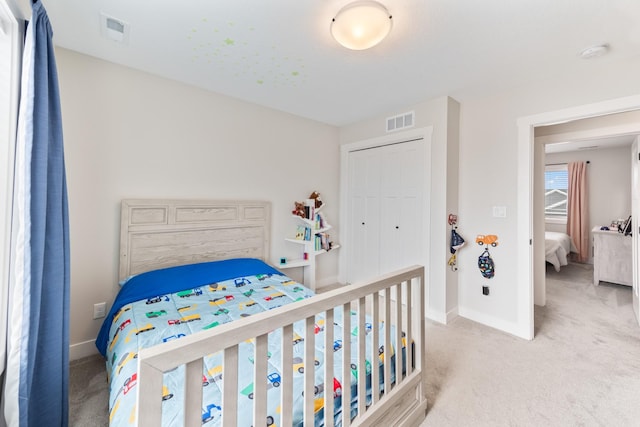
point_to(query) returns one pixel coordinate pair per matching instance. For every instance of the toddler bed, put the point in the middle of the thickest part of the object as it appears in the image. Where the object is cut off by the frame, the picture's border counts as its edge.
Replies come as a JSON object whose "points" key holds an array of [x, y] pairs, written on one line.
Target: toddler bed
{"points": [[557, 247], [237, 343]]}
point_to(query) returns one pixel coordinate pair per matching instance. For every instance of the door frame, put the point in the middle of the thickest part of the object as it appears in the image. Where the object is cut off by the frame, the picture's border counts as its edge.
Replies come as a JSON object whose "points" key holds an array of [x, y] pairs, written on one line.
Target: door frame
{"points": [[525, 180], [635, 213], [425, 134]]}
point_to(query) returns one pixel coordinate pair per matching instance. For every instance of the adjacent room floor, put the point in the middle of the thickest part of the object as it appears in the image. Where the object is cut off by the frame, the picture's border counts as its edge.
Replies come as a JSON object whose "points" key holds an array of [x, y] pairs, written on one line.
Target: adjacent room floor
{"points": [[581, 369]]}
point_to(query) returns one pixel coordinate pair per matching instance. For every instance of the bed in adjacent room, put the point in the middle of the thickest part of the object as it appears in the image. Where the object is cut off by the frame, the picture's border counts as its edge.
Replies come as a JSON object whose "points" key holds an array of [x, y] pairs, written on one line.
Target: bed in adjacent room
{"points": [[204, 332], [557, 247]]}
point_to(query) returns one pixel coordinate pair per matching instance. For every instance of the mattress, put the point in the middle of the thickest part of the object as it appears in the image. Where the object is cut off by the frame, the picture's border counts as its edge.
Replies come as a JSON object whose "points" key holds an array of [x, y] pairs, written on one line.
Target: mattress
{"points": [[172, 303], [557, 247]]}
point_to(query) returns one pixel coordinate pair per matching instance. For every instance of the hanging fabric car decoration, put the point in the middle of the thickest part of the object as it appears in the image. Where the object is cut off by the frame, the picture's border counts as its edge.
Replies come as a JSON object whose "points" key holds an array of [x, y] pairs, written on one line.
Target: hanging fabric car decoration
{"points": [[455, 243], [485, 262], [486, 265]]}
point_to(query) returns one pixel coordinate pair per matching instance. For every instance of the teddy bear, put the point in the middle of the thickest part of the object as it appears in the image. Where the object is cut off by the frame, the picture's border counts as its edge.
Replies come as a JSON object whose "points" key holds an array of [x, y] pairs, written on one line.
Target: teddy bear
{"points": [[299, 209], [316, 196]]}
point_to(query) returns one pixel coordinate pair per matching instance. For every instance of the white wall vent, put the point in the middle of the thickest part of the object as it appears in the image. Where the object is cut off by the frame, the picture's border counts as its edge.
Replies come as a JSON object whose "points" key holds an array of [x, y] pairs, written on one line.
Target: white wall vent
{"points": [[114, 29], [401, 121]]}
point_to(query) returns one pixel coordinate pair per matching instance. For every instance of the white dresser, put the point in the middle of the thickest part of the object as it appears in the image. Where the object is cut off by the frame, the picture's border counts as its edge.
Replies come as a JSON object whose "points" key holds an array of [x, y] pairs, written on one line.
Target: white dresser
{"points": [[612, 257]]}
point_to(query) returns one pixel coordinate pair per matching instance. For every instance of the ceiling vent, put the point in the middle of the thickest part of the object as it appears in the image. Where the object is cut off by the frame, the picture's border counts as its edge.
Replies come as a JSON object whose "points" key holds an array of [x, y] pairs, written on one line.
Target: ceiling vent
{"points": [[401, 121], [114, 29]]}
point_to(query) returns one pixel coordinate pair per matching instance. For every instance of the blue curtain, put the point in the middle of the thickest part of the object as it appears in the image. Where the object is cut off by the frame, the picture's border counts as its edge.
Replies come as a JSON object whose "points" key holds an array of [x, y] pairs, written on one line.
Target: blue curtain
{"points": [[44, 341]]}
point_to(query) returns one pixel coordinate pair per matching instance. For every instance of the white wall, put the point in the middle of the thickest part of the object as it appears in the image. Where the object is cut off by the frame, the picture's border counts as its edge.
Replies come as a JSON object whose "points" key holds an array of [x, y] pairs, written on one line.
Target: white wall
{"points": [[129, 134], [487, 166], [608, 181], [489, 175]]}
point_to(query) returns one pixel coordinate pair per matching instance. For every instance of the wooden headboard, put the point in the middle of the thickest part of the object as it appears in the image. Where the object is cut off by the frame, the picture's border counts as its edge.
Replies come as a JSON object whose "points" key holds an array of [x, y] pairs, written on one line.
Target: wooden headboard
{"points": [[160, 233]]}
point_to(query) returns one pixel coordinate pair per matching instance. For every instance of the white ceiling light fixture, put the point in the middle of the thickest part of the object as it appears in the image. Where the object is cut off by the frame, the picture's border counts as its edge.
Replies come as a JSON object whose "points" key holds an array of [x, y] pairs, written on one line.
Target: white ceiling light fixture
{"points": [[361, 25]]}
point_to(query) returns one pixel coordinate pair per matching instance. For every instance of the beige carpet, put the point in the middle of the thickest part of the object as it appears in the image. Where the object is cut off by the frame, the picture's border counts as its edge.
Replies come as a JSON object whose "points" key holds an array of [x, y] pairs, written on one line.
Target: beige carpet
{"points": [[582, 369], [88, 393]]}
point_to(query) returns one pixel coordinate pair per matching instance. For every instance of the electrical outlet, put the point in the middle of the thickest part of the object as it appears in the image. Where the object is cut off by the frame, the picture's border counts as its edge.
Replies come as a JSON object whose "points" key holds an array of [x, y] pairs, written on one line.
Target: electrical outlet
{"points": [[99, 310]]}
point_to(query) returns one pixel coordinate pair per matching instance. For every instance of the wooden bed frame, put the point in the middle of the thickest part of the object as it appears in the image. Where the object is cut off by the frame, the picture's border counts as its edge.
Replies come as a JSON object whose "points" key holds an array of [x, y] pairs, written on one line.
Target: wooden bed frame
{"points": [[163, 233]]}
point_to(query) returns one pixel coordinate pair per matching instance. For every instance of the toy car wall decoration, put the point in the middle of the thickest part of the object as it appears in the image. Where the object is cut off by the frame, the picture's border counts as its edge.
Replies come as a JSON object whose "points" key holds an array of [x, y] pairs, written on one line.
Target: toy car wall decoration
{"points": [[485, 262], [489, 239]]}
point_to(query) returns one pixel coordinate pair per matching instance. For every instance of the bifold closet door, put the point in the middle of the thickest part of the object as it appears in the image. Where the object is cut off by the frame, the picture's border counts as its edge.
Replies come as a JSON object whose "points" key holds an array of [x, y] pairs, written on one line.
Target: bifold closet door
{"points": [[385, 209], [364, 214], [401, 192]]}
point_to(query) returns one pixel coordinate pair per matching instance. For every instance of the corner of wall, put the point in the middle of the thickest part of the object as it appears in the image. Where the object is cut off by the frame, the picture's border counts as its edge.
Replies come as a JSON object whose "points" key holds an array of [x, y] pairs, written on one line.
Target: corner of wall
{"points": [[453, 161]]}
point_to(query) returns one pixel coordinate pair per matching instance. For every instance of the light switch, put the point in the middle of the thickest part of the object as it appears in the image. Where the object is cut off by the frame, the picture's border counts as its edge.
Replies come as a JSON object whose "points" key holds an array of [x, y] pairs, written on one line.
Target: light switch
{"points": [[500, 211]]}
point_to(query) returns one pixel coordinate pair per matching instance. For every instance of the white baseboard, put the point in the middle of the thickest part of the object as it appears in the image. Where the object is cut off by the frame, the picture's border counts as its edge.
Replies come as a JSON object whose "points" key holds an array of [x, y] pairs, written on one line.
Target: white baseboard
{"points": [[327, 281], [82, 349], [452, 314], [436, 316], [499, 324]]}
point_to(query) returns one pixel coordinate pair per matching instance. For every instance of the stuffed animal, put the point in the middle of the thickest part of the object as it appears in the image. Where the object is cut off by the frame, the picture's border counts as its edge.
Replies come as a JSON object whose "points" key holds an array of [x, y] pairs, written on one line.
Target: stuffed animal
{"points": [[316, 196], [299, 210]]}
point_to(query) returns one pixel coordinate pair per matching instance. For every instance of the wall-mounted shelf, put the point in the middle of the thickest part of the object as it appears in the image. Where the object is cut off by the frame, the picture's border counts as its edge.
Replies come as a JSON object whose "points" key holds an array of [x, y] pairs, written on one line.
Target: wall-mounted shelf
{"points": [[311, 235]]}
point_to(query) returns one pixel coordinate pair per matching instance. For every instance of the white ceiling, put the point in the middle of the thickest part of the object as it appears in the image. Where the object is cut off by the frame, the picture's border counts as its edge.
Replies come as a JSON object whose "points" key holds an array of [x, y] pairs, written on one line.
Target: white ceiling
{"points": [[279, 53], [590, 144]]}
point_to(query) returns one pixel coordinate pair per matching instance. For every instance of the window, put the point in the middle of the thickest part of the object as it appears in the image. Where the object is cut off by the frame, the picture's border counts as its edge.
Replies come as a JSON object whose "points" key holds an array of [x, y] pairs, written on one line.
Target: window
{"points": [[556, 190]]}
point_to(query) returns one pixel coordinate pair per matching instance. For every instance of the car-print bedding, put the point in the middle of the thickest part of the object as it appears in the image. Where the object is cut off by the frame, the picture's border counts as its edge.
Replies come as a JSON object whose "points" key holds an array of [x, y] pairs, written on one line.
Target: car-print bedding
{"points": [[161, 317]]}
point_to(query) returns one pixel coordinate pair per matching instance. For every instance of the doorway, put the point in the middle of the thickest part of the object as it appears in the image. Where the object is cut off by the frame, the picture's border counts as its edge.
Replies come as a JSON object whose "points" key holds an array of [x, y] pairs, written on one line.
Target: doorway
{"points": [[609, 183], [527, 156]]}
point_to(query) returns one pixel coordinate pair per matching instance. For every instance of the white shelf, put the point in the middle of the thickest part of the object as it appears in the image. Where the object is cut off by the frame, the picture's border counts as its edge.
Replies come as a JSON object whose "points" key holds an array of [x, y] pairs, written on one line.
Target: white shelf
{"points": [[298, 241], [321, 251], [314, 253], [312, 224], [309, 264], [295, 263]]}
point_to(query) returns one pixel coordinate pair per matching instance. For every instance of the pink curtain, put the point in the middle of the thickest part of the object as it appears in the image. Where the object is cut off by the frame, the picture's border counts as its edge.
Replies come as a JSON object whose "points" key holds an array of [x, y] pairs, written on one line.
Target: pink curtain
{"points": [[577, 209]]}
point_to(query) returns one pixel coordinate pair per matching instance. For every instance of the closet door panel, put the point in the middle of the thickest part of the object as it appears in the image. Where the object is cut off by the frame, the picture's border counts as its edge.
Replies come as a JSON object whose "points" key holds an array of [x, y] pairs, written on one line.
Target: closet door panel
{"points": [[401, 225], [413, 170], [364, 215], [411, 206], [390, 241], [391, 178], [410, 236]]}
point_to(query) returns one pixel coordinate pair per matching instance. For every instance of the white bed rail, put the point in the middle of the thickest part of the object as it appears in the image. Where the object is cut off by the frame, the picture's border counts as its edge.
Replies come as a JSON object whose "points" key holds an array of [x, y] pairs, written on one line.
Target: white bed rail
{"points": [[403, 402]]}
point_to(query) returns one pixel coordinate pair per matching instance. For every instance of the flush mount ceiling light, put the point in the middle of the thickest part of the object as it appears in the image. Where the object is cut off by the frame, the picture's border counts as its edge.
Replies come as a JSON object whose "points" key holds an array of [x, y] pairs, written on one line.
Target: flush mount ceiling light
{"points": [[361, 25]]}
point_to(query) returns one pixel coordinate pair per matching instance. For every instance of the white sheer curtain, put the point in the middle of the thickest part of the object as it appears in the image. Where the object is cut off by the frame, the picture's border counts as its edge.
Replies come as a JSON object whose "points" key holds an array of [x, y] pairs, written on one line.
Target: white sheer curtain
{"points": [[10, 59], [11, 31]]}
